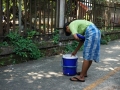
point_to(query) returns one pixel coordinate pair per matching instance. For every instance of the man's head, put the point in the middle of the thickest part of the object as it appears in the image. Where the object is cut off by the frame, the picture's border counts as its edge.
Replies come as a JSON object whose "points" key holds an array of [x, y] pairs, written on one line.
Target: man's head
{"points": [[65, 28]]}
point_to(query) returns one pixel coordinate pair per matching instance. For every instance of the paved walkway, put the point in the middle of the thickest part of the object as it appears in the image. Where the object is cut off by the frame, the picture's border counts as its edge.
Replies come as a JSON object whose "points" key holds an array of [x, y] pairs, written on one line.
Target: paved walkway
{"points": [[46, 73]]}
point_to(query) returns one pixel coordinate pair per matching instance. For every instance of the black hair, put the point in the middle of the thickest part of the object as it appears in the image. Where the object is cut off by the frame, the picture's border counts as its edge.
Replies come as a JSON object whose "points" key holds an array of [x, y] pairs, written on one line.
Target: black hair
{"points": [[64, 29]]}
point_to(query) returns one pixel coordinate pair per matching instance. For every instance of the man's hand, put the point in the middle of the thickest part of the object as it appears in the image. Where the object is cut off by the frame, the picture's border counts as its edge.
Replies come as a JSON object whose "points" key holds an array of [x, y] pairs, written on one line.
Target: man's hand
{"points": [[73, 53], [77, 48]]}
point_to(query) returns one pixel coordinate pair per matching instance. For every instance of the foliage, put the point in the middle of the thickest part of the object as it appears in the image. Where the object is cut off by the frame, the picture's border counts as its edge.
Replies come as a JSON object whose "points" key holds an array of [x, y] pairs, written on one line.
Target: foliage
{"points": [[3, 44], [31, 33], [23, 47], [105, 39], [56, 37], [103, 42], [71, 47]]}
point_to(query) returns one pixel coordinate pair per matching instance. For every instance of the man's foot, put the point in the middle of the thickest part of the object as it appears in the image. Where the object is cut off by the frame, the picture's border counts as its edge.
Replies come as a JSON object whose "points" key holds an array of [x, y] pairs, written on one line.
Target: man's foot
{"points": [[77, 79], [78, 73]]}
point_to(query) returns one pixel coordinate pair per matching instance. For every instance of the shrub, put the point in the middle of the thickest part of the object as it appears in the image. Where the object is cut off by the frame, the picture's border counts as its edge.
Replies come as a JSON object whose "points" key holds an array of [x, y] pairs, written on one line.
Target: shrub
{"points": [[24, 47]]}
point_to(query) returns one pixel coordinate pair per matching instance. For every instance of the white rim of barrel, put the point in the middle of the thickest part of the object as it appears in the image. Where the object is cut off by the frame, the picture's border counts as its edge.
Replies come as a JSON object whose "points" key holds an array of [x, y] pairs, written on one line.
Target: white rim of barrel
{"points": [[68, 56]]}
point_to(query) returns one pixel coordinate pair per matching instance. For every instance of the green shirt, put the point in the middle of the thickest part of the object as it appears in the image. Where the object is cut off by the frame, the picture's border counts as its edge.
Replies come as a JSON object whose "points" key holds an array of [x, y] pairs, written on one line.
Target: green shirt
{"points": [[79, 26]]}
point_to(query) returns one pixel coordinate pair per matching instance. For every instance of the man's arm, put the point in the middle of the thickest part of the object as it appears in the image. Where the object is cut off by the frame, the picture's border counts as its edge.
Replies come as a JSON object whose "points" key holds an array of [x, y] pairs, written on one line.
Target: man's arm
{"points": [[79, 45]]}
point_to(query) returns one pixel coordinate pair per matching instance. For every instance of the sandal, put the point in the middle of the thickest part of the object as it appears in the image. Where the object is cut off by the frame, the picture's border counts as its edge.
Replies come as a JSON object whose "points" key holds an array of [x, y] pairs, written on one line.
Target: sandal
{"points": [[76, 79]]}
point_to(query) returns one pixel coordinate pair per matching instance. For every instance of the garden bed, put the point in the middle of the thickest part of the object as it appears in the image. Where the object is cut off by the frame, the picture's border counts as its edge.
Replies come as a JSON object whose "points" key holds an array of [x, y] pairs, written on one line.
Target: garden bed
{"points": [[7, 57]]}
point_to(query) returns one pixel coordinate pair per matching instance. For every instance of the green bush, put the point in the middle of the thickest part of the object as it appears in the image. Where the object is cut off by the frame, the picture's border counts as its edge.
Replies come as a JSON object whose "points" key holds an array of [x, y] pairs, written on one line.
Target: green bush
{"points": [[105, 39], [55, 37], [23, 47]]}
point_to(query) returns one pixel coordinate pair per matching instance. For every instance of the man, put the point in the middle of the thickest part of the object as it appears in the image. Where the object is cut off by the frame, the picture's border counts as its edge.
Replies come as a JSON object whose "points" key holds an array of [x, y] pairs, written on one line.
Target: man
{"points": [[91, 44]]}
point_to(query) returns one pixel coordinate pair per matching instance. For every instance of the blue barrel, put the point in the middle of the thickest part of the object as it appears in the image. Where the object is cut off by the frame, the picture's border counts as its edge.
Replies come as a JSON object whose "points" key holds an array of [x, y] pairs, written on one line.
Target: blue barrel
{"points": [[69, 64]]}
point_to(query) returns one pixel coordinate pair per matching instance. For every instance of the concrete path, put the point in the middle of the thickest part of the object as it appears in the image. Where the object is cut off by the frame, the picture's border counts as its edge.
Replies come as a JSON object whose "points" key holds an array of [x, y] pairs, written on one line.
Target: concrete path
{"points": [[46, 73]]}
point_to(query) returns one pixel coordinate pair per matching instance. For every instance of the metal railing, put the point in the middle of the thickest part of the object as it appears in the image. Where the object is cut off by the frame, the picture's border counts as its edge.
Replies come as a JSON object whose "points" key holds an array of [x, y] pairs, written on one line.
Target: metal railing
{"points": [[43, 15]]}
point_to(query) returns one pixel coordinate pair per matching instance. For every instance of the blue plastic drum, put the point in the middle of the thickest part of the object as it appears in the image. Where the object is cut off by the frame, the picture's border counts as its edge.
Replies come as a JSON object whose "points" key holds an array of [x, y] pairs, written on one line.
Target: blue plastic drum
{"points": [[69, 64]]}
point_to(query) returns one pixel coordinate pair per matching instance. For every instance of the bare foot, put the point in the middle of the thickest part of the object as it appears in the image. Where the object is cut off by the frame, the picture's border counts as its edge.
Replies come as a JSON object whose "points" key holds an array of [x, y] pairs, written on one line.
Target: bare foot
{"points": [[78, 78]]}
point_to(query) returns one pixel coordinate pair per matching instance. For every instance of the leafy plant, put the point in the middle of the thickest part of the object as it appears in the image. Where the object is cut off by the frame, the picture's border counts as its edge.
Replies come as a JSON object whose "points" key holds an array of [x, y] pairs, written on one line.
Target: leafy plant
{"points": [[103, 42], [108, 38], [3, 44], [56, 37], [30, 34], [23, 47], [2, 63], [105, 39]]}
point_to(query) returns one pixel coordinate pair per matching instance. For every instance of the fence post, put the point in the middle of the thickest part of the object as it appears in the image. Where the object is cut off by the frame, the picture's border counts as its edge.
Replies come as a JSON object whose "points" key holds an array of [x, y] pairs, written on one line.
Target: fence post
{"points": [[20, 26], [61, 15], [57, 13], [1, 11]]}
